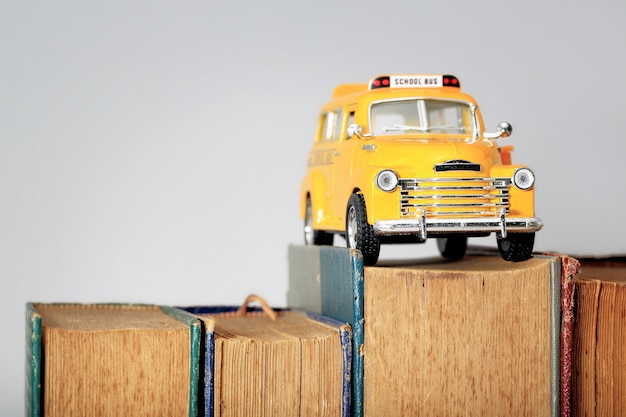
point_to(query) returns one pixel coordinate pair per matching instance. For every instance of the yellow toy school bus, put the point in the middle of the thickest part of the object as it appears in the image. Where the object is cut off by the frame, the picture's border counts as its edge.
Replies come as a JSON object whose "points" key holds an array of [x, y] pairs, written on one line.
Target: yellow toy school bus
{"points": [[405, 158]]}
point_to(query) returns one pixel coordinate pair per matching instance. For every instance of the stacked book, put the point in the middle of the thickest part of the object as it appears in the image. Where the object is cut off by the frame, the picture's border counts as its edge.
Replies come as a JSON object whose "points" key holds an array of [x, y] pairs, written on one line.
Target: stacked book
{"points": [[137, 360], [479, 336], [599, 380]]}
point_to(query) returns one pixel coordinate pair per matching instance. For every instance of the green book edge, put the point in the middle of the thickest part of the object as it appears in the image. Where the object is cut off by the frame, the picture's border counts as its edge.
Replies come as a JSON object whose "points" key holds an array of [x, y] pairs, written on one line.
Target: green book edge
{"points": [[195, 334], [33, 361]]}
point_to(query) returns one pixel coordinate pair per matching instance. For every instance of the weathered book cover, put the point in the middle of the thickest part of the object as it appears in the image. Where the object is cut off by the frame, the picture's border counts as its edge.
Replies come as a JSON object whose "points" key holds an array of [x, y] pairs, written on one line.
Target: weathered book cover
{"points": [[474, 337], [108, 359], [225, 368], [599, 387], [329, 281]]}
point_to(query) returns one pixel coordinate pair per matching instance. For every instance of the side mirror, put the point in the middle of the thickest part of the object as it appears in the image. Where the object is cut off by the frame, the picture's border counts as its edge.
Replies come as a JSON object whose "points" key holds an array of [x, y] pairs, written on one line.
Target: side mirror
{"points": [[504, 131], [354, 129]]}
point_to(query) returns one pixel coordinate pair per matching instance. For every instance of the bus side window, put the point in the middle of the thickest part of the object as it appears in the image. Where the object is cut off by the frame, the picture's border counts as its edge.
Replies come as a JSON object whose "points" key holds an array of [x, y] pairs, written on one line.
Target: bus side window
{"points": [[350, 122]]}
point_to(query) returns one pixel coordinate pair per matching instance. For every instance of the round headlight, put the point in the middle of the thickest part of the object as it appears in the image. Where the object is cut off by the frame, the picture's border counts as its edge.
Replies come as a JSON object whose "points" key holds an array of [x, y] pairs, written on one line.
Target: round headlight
{"points": [[524, 178], [387, 180]]}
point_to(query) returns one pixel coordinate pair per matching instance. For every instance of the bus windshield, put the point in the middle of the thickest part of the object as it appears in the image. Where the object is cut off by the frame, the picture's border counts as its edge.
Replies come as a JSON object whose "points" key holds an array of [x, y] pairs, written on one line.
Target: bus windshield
{"points": [[422, 116]]}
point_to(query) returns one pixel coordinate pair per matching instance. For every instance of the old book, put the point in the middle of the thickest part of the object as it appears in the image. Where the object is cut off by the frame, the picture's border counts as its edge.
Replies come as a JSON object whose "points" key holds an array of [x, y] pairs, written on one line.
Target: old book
{"points": [[329, 280], [295, 364], [111, 360], [478, 336], [599, 387]]}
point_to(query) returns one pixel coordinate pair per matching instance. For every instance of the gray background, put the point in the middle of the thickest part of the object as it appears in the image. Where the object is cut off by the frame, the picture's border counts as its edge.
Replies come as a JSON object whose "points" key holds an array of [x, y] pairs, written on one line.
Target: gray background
{"points": [[152, 152]]}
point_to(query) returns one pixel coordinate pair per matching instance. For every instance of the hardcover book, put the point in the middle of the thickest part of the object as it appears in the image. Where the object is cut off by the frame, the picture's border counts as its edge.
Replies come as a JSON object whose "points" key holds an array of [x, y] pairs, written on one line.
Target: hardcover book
{"points": [[479, 336], [599, 387], [111, 359], [287, 362]]}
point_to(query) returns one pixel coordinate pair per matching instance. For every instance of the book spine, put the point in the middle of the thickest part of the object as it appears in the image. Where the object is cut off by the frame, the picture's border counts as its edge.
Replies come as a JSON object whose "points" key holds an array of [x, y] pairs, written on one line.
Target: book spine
{"points": [[329, 280], [341, 287], [195, 334], [33, 362], [209, 363], [570, 268]]}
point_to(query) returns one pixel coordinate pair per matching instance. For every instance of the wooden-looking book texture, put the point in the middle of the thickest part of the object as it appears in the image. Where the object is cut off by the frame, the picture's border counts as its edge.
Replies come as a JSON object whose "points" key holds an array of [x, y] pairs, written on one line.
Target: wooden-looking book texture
{"points": [[111, 360], [297, 365], [479, 336], [599, 387]]}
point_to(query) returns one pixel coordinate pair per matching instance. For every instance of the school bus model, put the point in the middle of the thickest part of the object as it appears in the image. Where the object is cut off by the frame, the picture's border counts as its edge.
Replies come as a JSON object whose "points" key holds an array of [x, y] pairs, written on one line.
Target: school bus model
{"points": [[406, 158]]}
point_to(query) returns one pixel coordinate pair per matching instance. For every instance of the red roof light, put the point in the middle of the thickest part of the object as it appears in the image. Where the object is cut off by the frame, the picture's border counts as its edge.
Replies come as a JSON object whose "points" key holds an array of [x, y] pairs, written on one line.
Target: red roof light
{"points": [[451, 80], [379, 82]]}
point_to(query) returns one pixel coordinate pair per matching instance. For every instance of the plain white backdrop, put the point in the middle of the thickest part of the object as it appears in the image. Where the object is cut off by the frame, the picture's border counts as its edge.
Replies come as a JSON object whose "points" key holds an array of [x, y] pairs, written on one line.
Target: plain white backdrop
{"points": [[152, 151]]}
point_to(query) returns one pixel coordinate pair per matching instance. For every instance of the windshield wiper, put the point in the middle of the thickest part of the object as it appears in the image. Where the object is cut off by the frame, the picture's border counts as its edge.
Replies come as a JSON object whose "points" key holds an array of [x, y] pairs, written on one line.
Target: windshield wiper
{"points": [[405, 128], [446, 127]]}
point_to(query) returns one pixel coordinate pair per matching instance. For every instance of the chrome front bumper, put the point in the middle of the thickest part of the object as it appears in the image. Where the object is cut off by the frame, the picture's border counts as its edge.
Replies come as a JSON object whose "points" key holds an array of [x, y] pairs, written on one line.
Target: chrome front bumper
{"points": [[421, 226]]}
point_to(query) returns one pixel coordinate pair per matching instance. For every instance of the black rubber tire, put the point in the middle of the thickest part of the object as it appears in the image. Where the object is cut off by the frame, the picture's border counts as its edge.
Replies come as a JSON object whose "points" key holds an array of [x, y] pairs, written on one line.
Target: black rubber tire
{"points": [[452, 247], [516, 247], [312, 236], [359, 233]]}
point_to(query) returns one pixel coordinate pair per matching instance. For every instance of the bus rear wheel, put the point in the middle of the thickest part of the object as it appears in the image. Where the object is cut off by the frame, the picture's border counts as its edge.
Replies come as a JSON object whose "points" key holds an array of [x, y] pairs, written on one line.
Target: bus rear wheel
{"points": [[312, 236]]}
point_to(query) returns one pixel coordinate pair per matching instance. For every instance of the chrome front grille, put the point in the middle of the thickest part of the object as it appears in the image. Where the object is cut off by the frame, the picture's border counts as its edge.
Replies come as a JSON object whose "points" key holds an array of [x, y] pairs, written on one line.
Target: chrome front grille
{"points": [[454, 197]]}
